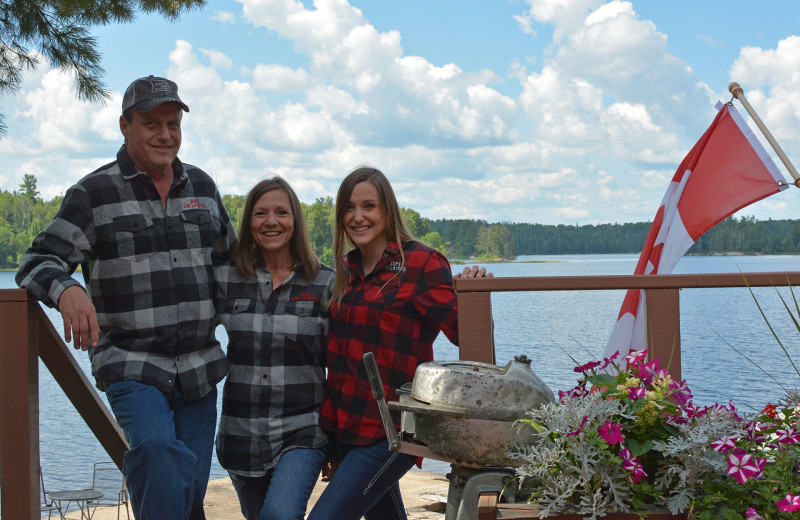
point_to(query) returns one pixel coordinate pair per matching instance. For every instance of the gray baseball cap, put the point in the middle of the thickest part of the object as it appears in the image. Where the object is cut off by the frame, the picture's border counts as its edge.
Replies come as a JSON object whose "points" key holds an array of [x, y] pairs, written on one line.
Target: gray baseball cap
{"points": [[144, 94]]}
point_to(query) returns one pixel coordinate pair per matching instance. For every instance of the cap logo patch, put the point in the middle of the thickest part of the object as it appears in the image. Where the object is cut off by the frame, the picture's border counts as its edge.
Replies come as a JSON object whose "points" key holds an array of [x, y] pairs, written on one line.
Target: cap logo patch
{"points": [[159, 85]]}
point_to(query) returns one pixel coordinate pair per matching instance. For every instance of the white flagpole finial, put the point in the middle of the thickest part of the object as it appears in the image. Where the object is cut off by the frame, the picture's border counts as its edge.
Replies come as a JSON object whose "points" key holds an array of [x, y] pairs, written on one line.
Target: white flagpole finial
{"points": [[738, 93]]}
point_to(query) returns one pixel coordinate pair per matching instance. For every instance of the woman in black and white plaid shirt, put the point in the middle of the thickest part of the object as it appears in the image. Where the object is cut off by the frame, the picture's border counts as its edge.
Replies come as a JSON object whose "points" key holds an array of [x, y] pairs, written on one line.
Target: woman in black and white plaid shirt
{"points": [[271, 299]]}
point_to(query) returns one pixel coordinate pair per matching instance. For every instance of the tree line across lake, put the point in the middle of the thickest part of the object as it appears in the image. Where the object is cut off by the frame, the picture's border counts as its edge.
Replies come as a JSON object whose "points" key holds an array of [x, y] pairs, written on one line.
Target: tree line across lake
{"points": [[24, 213]]}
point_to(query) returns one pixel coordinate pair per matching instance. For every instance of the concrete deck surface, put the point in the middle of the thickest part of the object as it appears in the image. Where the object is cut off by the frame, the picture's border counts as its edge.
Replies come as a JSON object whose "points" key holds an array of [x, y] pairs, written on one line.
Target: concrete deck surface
{"points": [[424, 495]]}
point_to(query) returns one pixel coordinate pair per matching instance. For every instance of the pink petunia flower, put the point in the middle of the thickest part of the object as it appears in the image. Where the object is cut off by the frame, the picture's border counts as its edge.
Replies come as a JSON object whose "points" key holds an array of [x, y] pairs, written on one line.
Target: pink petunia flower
{"points": [[632, 464], [789, 436], [726, 443], [607, 361], [742, 466], [580, 428], [638, 474], [575, 393], [681, 392], [647, 371], [611, 433], [635, 357], [677, 419], [588, 366], [694, 411], [753, 434], [751, 514], [789, 503], [635, 393]]}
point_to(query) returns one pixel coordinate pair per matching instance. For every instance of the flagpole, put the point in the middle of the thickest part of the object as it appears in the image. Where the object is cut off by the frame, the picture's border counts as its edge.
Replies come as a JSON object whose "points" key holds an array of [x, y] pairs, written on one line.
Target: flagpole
{"points": [[738, 93]]}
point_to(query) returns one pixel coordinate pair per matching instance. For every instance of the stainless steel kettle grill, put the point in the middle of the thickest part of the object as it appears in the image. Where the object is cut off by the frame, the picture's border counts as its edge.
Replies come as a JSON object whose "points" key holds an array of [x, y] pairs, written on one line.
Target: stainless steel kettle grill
{"points": [[463, 412]]}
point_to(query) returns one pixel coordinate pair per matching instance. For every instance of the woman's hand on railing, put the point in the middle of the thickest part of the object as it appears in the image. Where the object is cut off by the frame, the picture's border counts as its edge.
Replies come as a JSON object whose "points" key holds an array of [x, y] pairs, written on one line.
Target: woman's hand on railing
{"points": [[474, 272]]}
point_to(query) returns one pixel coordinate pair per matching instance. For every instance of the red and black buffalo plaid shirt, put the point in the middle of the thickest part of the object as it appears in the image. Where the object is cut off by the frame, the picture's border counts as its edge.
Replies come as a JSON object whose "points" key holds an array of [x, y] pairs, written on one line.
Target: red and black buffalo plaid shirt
{"points": [[396, 318]]}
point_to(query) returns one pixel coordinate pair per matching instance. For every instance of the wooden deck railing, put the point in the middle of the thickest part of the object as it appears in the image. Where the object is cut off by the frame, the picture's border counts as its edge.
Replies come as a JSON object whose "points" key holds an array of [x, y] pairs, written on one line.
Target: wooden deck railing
{"points": [[26, 334], [475, 324]]}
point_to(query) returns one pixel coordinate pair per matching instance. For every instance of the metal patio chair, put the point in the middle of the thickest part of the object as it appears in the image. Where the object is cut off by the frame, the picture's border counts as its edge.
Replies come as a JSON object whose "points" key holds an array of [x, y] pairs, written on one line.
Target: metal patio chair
{"points": [[45, 504], [108, 479]]}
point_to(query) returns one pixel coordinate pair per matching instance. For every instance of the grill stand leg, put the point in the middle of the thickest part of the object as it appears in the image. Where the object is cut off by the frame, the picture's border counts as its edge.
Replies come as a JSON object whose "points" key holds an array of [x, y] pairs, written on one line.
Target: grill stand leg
{"points": [[467, 484]]}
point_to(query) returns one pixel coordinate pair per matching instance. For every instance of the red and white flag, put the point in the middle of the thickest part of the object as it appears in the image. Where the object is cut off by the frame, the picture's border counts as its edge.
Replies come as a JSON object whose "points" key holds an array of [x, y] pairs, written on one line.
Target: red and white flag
{"points": [[726, 170]]}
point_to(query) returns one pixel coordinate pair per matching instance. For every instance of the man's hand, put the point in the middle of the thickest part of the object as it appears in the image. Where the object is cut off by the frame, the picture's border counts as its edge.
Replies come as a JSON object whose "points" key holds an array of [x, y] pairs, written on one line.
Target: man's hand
{"points": [[80, 318], [474, 272]]}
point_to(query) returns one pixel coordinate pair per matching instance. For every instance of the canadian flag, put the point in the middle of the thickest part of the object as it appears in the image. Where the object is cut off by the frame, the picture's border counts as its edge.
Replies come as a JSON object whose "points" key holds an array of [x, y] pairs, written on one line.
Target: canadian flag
{"points": [[725, 171]]}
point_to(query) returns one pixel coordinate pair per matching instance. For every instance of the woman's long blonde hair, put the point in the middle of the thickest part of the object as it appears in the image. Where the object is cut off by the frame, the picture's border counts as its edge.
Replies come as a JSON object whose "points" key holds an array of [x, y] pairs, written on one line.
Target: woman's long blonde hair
{"points": [[395, 227], [246, 254]]}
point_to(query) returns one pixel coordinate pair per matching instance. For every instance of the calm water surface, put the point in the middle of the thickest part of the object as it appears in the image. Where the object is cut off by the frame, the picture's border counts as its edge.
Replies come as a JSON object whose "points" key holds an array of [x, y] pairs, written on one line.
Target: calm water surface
{"points": [[548, 327]]}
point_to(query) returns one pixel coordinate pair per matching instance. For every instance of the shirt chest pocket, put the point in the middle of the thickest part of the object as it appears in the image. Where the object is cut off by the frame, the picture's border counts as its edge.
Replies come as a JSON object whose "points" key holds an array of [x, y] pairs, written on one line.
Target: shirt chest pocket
{"points": [[199, 227], [134, 236], [384, 291], [302, 317], [239, 314]]}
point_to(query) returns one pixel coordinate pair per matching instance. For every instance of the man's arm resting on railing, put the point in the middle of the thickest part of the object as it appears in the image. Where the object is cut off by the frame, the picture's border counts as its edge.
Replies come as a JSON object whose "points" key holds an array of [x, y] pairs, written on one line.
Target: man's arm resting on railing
{"points": [[80, 318]]}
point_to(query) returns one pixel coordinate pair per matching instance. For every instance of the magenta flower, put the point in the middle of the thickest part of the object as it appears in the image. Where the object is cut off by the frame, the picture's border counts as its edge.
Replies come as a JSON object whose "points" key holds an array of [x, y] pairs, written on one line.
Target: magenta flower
{"points": [[635, 357], [638, 473], [681, 392], [726, 443], [611, 433], [632, 464], [789, 503], [694, 411], [635, 393], [588, 366], [789, 436], [753, 430], [742, 466], [751, 514], [607, 361], [647, 371], [575, 393], [677, 419], [580, 428]]}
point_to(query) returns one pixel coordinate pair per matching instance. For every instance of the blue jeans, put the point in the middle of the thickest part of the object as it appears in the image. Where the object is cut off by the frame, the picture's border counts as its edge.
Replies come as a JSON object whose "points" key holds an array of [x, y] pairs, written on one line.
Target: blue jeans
{"points": [[171, 441], [364, 485], [283, 493]]}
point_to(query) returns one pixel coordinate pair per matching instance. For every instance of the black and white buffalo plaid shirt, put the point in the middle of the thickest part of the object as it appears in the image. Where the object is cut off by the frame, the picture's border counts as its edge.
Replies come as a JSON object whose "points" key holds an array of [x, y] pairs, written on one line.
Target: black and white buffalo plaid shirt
{"points": [[276, 348], [148, 271]]}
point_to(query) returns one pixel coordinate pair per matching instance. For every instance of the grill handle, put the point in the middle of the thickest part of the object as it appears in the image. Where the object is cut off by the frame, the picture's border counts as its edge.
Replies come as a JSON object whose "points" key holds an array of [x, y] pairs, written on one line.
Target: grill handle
{"points": [[374, 376], [377, 391]]}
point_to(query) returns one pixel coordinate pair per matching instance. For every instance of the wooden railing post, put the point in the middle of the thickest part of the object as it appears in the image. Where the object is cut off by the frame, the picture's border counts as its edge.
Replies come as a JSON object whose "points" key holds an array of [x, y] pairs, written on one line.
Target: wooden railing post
{"points": [[19, 405], [65, 369], [664, 328], [475, 326]]}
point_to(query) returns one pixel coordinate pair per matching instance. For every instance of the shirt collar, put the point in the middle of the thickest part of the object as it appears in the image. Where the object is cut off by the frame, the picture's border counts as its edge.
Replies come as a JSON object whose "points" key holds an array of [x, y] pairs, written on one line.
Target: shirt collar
{"points": [[129, 171], [353, 259]]}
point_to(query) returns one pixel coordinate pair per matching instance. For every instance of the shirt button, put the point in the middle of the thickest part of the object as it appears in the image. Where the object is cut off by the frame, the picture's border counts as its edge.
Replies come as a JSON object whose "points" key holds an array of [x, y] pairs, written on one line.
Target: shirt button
{"points": [[264, 376], [175, 260]]}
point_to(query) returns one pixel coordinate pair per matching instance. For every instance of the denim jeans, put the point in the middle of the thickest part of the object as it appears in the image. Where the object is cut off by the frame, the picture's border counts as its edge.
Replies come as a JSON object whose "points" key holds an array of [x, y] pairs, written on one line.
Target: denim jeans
{"points": [[364, 485], [171, 441], [283, 493]]}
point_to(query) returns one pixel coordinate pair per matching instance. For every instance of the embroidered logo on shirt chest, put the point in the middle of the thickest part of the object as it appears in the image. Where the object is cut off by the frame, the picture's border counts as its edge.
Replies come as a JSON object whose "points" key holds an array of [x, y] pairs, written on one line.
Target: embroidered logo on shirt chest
{"points": [[395, 267], [305, 297], [194, 204]]}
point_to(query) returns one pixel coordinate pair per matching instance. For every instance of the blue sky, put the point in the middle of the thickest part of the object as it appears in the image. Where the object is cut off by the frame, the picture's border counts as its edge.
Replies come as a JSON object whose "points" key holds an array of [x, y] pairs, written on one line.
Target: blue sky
{"points": [[547, 111]]}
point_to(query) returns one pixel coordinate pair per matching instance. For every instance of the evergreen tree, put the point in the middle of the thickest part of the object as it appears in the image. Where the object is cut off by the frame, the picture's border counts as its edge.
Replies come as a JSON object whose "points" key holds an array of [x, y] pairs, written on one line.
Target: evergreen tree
{"points": [[59, 31], [28, 186]]}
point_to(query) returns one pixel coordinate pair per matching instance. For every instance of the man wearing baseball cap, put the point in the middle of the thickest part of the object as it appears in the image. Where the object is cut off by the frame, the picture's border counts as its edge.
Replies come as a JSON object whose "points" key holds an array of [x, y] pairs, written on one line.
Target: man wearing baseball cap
{"points": [[146, 230]]}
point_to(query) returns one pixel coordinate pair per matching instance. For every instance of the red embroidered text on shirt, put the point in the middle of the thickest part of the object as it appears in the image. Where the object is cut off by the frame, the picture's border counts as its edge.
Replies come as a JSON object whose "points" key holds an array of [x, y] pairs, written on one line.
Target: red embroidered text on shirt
{"points": [[305, 297], [194, 204]]}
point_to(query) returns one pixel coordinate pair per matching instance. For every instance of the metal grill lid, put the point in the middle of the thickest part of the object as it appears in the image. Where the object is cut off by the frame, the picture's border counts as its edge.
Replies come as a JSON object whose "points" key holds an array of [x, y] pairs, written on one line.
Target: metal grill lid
{"points": [[480, 390]]}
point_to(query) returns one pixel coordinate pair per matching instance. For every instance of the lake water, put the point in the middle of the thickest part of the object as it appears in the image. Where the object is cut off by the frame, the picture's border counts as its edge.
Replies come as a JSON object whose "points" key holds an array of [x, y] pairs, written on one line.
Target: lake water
{"points": [[548, 327]]}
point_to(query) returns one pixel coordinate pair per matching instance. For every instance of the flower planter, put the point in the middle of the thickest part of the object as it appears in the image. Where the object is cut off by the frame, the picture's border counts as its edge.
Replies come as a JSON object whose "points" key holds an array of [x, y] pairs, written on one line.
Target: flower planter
{"points": [[489, 509]]}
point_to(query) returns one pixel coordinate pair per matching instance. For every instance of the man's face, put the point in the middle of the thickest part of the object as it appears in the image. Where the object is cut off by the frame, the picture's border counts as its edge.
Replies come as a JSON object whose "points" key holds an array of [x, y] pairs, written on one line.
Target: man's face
{"points": [[153, 138]]}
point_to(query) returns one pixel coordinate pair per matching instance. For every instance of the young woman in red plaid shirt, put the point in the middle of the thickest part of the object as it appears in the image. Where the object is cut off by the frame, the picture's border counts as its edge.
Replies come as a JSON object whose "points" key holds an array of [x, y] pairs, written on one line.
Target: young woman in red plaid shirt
{"points": [[393, 296]]}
